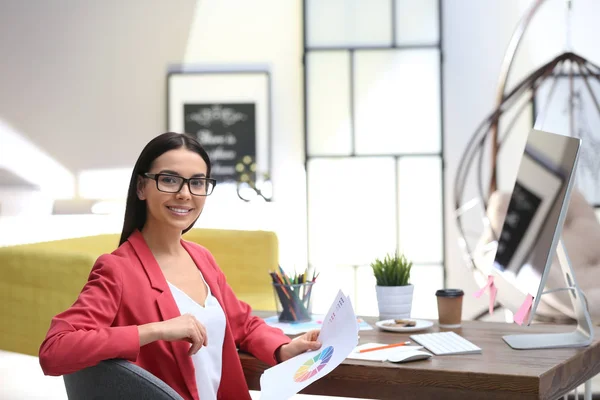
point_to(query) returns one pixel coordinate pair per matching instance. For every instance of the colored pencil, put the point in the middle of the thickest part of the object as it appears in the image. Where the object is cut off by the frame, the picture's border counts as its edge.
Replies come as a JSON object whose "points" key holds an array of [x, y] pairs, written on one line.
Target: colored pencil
{"points": [[389, 346]]}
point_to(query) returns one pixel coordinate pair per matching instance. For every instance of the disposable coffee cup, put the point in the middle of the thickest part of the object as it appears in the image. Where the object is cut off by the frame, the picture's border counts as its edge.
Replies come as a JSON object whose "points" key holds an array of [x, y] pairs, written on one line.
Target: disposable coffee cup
{"points": [[449, 303]]}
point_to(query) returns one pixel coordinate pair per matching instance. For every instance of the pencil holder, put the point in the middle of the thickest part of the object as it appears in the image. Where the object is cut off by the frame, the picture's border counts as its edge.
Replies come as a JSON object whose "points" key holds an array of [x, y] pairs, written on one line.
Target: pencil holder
{"points": [[293, 301]]}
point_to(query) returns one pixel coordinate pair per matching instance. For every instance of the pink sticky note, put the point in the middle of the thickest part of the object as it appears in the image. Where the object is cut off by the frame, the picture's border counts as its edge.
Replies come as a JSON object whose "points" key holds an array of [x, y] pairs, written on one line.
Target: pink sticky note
{"points": [[493, 291], [522, 314]]}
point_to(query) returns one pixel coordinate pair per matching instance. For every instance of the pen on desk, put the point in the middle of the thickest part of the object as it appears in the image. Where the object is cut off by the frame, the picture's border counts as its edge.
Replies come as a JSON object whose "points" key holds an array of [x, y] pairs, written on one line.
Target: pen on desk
{"points": [[389, 346]]}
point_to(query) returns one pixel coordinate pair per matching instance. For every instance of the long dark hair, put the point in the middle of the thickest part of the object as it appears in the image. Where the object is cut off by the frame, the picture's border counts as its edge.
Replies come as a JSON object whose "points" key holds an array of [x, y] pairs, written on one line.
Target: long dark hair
{"points": [[135, 209]]}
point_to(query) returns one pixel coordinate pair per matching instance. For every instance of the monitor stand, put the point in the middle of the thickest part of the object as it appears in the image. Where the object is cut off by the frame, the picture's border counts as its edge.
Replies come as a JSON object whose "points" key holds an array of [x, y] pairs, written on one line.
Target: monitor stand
{"points": [[584, 333]]}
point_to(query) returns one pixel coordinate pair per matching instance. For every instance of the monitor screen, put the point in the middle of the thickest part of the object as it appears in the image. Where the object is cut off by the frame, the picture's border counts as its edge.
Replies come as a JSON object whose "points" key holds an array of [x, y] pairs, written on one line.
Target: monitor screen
{"points": [[527, 242]]}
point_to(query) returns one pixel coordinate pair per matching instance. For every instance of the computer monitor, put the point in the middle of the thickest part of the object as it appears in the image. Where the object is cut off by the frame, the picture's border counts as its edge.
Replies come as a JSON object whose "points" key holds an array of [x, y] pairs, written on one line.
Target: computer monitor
{"points": [[530, 237]]}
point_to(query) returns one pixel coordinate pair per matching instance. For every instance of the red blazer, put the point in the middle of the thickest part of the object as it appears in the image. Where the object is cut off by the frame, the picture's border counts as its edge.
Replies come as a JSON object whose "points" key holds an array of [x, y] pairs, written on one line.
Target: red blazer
{"points": [[126, 289]]}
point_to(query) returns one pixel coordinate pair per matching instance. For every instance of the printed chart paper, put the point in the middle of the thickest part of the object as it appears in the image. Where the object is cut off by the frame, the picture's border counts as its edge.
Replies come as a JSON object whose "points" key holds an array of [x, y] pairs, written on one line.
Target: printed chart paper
{"points": [[338, 337]]}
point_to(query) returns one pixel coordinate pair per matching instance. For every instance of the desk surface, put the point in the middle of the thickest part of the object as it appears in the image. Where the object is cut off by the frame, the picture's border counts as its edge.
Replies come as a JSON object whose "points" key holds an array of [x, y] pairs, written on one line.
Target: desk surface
{"points": [[498, 373]]}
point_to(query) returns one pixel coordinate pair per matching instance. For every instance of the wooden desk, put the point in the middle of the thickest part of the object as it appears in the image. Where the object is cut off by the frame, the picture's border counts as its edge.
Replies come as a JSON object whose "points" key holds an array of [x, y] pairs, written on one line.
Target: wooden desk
{"points": [[498, 373]]}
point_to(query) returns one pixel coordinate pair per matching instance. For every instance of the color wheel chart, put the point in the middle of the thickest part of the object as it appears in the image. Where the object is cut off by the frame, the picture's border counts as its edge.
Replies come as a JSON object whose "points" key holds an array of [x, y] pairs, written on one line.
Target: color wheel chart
{"points": [[313, 365]]}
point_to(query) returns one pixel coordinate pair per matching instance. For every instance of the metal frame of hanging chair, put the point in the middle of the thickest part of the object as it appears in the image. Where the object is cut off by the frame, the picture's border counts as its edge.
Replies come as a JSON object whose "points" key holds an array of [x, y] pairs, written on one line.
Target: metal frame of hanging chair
{"points": [[488, 136]]}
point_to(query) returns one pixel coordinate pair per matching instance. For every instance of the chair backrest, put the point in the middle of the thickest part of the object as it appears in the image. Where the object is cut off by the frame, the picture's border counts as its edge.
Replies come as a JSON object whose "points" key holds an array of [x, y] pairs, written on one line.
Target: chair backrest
{"points": [[117, 379]]}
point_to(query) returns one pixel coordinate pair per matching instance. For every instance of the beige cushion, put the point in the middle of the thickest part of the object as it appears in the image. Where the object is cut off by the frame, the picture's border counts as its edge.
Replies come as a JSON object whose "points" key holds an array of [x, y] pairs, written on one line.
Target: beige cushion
{"points": [[581, 236]]}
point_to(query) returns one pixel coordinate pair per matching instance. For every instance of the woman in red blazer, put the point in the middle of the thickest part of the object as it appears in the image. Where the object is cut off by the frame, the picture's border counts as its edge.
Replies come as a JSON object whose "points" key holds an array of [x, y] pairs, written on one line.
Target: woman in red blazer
{"points": [[127, 310]]}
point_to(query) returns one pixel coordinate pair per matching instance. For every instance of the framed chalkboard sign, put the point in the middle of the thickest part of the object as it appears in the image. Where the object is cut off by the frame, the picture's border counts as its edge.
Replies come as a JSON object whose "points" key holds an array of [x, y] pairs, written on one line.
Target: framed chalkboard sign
{"points": [[227, 131], [229, 113]]}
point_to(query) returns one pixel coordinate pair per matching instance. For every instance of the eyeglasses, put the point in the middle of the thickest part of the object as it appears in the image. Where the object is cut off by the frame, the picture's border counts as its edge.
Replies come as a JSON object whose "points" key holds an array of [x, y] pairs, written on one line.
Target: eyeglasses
{"points": [[172, 184]]}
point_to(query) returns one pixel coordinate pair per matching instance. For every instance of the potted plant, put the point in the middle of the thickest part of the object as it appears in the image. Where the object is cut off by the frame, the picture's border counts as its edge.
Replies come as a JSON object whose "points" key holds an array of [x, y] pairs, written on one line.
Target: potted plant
{"points": [[394, 292]]}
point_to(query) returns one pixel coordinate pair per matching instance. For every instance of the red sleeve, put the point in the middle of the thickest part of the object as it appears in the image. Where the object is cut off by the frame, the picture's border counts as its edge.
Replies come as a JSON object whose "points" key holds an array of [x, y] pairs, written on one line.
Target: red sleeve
{"points": [[251, 333], [82, 335]]}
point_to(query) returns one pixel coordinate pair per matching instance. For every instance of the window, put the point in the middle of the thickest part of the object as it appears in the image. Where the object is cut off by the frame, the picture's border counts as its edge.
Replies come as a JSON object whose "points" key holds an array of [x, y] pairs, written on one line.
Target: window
{"points": [[374, 148]]}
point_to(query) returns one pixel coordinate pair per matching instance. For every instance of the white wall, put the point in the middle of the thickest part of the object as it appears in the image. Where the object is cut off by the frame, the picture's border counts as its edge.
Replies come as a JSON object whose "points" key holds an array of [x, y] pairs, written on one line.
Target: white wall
{"points": [[86, 73], [475, 35], [24, 201], [85, 82], [82, 86]]}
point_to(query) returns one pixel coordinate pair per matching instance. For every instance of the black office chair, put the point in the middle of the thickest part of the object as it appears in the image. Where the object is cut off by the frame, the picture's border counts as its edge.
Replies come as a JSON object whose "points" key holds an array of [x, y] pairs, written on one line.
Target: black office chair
{"points": [[117, 379]]}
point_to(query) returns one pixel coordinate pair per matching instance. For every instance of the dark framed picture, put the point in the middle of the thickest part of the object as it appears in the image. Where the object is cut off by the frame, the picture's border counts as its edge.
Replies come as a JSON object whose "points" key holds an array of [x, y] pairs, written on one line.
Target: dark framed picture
{"points": [[552, 113], [229, 112]]}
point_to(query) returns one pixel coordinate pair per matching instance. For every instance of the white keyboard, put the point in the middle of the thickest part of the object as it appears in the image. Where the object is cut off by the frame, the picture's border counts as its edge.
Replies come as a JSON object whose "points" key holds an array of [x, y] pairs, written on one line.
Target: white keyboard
{"points": [[445, 343]]}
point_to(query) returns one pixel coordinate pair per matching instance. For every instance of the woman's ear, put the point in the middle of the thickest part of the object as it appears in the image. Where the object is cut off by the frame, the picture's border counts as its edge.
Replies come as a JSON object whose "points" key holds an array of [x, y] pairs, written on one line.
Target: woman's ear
{"points": [[140, 188]]}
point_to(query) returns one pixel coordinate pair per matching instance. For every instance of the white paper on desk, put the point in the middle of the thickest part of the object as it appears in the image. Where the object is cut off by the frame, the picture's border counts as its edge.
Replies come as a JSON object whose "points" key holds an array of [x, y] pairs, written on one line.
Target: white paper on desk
{"points": [[378, 355], [297, 328], [338, 337]]}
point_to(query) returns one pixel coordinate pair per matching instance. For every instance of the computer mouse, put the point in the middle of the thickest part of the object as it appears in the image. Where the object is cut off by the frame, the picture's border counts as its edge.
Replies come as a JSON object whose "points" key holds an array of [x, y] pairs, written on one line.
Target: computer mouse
{"points": [[406, 356]]}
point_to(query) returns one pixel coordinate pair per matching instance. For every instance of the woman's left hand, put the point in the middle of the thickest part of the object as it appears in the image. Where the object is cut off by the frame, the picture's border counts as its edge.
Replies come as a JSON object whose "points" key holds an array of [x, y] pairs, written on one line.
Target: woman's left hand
{"points": [[299, 345]]}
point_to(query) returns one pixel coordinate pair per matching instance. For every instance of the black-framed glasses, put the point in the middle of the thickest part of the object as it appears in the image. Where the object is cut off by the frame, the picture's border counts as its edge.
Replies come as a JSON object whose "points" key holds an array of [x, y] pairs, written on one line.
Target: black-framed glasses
{"points": [[173, 183]]}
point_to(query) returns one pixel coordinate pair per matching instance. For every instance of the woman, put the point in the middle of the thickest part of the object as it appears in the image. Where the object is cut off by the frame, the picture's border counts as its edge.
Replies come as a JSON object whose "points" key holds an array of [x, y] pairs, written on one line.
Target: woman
{"points": [[162, 302]]}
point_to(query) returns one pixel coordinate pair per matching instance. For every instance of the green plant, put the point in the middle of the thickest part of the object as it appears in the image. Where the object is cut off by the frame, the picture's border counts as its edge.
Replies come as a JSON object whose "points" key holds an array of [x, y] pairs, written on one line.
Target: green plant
{"points": [[393, 270]]}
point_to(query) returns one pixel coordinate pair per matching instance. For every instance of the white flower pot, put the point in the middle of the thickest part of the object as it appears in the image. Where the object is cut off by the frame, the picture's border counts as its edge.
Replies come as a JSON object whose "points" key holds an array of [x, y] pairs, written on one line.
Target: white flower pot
{"points": [[395, 302]]}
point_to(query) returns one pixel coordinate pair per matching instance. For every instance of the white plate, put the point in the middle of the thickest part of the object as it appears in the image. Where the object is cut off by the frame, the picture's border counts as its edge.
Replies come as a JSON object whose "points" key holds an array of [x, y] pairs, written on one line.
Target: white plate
{"points": [[420, 325]]}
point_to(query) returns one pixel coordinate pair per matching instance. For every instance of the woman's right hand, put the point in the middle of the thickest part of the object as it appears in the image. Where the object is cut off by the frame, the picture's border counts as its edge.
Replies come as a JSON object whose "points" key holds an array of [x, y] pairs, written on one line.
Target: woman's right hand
{"points": [[185, 327]]}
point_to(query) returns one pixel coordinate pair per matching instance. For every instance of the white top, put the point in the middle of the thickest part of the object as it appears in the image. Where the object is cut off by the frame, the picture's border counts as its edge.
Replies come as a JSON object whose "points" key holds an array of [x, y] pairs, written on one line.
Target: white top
{"points": [[208, 360]]}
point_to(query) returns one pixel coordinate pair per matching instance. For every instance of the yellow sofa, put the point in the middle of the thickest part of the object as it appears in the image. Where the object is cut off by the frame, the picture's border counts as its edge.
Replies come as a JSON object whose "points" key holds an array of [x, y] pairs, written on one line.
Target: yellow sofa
{"points": [[37, 281]]}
